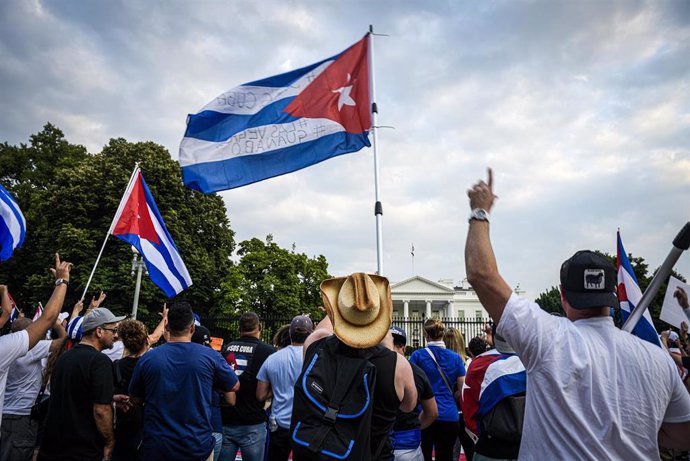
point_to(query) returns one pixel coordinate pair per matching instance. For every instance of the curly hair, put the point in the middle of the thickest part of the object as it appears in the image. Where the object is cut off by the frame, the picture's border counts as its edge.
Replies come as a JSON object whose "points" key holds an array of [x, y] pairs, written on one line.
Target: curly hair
{"points": [[434, 329], [134, 335]]}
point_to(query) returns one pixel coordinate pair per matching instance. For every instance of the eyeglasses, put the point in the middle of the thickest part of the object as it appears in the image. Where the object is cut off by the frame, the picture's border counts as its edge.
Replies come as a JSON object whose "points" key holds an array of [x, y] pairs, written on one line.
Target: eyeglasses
{"points": [[108, 329]]}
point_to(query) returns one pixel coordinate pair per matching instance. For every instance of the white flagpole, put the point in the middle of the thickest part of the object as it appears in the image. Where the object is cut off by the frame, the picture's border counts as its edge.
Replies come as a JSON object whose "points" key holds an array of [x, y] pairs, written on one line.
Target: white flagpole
{"points": [[112, 224], [378, 207]]}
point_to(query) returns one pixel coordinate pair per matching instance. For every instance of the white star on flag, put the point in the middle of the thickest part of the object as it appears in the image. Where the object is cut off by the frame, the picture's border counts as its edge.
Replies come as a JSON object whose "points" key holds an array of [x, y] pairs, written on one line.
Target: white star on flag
{"points": [[344, 99]]}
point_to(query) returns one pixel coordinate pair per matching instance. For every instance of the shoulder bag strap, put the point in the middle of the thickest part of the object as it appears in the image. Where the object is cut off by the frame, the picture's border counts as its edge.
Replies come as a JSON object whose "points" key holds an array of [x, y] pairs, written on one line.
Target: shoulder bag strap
{"points": [[440, 371]]}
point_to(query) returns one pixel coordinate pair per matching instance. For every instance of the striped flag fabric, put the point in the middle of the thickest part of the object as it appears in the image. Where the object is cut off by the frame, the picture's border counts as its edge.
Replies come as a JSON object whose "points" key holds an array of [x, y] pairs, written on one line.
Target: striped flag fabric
{"points": [[629, 295], [39, 312], [12, 225], [139, 223], [14, 313], [280, 124]]}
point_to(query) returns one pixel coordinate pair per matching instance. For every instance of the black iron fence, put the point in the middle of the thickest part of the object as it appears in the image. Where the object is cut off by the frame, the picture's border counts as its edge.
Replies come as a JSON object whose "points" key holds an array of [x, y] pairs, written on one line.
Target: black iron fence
{"points": [[228, 327]]}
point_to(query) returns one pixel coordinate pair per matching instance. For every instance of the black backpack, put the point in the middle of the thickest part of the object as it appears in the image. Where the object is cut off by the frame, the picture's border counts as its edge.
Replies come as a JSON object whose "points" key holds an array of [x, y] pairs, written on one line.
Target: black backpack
{"points": [[504, 421], [331, 412]]}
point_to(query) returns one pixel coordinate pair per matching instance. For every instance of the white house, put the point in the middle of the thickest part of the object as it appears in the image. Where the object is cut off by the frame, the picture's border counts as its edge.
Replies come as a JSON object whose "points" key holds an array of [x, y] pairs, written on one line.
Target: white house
{"points": [[418, 297]]}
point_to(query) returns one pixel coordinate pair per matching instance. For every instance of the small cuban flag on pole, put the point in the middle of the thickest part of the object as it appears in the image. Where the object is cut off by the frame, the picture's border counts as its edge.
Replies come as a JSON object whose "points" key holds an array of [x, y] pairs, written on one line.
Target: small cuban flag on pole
{"points": [[629, 295], [139, 223], [12, 225], [280, 124]]}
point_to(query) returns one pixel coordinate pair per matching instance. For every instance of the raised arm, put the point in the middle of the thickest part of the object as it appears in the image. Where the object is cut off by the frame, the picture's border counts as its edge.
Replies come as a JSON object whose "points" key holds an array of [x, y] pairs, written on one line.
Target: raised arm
{"points": [[480, 263], [160, 328], [37, 330]]}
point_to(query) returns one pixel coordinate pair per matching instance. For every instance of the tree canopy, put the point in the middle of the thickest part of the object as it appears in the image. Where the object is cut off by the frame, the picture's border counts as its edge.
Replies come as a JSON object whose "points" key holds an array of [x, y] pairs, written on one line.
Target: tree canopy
{"points": [[271, 280], [69, 198]]}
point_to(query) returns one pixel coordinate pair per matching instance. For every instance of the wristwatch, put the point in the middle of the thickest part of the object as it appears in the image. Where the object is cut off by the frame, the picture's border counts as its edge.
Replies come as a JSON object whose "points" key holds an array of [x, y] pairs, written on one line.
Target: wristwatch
{"points": [[59, 282], [479, 214]]}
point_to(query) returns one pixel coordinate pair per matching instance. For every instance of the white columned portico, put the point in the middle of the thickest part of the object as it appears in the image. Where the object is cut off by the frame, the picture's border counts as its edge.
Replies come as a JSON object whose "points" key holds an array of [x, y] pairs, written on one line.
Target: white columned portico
{"points": [[406, 308], [428, 309], [450, 312]]}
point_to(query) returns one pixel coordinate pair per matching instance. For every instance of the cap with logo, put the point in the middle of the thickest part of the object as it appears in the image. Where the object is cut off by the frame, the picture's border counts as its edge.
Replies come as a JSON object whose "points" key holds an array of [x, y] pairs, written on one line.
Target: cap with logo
{"points": [[201, 335], [589, 280], [399, 333], [99, 317]]}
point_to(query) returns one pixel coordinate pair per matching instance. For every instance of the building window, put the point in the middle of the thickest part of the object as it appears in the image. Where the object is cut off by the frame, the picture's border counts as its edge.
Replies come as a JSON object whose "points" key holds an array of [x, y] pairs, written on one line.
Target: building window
{"points": [[461, 315], [438, 314], [396, 314], [415, 314], [478, 314]]}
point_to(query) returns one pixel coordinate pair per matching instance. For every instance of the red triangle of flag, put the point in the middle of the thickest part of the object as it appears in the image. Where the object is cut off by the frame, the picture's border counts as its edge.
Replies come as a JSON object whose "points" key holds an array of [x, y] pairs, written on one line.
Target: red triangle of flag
{"points": [[135, 217], [341, 92]]}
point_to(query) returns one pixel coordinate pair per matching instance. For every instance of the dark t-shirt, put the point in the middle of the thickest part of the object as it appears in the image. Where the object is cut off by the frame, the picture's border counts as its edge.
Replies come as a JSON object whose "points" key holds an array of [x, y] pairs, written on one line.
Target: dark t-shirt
{"points": [[386, 403], [82, 377], [409, 421], [130, 423], [176, 380], [245, 356]]}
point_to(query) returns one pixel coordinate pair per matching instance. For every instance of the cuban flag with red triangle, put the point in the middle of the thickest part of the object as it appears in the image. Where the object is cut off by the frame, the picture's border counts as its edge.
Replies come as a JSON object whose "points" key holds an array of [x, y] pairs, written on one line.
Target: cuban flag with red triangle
{"points": [[139, 223], [629, 296], [280, 124]]}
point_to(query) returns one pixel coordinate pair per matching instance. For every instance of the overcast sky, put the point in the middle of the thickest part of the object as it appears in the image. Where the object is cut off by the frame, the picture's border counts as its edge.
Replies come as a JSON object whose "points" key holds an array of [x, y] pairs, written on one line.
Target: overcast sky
{"points": [[581, 107]]}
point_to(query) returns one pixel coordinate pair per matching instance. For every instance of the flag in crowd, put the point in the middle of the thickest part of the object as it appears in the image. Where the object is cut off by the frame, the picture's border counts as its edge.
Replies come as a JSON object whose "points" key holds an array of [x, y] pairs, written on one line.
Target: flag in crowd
{"points": [[629, 295], [139, 223], [12, 225], [39, 312], [280, 124], [14, 313]]}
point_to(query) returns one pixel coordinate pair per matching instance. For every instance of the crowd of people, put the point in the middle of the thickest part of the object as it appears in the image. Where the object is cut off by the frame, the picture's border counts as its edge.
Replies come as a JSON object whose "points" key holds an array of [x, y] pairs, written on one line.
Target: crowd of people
{"points": [[90, 385]]}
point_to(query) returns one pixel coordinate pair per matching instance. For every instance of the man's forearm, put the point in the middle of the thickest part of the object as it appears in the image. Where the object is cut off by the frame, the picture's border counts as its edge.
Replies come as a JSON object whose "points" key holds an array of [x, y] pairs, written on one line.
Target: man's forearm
{"points": [[103, 414]]}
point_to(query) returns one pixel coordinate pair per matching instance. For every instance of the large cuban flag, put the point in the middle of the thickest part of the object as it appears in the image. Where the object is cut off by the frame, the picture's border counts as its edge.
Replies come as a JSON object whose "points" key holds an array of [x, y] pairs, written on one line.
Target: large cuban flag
{"points": [[139, 223], [12, 225], [280, 124], [629, 295]]}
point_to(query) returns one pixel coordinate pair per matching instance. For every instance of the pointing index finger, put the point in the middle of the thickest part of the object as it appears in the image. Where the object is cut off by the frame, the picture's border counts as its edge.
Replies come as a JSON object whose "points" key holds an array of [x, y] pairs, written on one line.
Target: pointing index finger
{"points": [[490, 178]]}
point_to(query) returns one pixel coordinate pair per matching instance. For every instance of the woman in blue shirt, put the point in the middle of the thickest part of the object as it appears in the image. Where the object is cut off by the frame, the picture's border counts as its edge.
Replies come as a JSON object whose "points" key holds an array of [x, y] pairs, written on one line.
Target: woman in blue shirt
{"points": [[446, 372]]}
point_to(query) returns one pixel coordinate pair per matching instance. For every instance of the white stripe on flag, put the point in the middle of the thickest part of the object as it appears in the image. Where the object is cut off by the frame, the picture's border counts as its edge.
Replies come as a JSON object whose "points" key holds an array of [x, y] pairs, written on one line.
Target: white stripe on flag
{"points": [[248, 99], [257, 140], [11, 219], [170, 247], [633, 291]]}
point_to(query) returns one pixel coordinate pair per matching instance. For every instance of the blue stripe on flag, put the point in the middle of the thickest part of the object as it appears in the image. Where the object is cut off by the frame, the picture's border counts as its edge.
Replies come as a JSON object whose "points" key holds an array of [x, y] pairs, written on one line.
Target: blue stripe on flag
{"points": [[645, 327], [277, 81], [209, 125], [500, 388], [12, 225], [247, 169]]}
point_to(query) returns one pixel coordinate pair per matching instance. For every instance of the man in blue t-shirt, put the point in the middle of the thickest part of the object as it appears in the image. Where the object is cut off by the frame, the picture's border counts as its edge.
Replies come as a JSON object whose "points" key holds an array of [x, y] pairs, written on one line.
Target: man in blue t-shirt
{"points": [[277, 376], [176, 380]]}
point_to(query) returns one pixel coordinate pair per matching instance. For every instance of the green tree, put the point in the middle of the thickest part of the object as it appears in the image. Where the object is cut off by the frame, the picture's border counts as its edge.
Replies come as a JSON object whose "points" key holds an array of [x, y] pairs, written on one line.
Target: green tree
{"points": [[69, 199], [274, 281], [550, 301]]}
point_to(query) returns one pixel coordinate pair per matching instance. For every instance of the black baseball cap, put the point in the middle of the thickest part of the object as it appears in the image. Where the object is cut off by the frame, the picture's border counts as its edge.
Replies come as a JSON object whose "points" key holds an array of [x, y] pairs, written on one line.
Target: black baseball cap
{"points": [[589, 280], [201, 336]]}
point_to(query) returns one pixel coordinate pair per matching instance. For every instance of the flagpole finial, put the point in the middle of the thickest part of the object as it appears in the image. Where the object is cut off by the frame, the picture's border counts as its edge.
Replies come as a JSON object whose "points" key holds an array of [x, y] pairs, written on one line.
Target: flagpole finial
{"points": [[371, 28]]}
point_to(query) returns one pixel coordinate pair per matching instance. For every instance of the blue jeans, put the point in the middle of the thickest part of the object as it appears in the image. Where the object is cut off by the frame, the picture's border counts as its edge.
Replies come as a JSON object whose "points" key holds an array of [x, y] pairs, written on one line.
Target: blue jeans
{"points": [[250, 439], [217, 444]]}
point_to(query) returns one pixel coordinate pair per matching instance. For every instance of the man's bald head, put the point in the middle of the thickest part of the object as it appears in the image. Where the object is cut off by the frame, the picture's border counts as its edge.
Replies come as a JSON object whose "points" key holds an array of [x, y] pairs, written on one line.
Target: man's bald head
{"points": [[20, 324]]}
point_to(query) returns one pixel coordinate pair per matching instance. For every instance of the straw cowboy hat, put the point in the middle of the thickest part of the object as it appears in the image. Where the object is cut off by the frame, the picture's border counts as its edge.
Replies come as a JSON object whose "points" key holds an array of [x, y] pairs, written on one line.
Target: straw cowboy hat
{"points": [[360, 308]]}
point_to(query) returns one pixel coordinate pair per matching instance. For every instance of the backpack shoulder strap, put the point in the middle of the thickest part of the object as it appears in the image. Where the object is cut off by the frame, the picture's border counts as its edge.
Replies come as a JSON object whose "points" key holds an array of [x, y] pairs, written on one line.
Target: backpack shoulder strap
{"points": [[440, 371]]}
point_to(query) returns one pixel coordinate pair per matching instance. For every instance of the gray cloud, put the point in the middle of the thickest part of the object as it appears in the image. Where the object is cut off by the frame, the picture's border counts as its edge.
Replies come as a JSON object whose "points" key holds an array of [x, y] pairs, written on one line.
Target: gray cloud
{"points": [[581, 108]]}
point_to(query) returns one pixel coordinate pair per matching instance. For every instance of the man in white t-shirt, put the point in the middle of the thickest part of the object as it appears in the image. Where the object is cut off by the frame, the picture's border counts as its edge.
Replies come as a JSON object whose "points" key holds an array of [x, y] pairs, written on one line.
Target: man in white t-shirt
{"points": [[24, 381], [17, 344], [595, 392]]}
